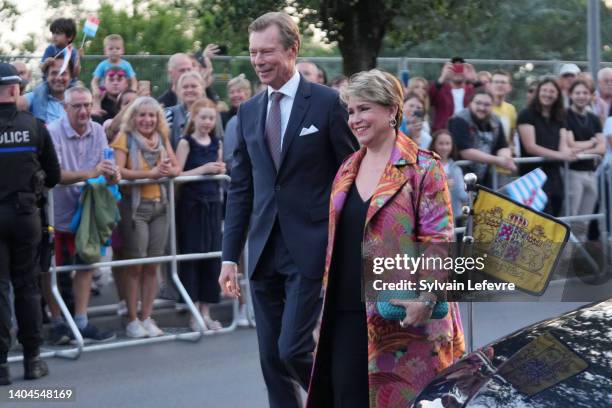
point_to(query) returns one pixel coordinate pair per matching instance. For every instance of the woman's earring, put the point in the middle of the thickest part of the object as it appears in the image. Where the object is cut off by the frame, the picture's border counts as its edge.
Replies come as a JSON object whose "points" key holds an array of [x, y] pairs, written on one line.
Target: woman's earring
{"points": [[392, 123]]}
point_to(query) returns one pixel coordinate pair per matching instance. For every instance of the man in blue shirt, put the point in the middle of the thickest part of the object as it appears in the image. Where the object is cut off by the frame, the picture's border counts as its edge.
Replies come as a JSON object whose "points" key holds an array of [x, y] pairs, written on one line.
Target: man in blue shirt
{"points": [[46, 100]]}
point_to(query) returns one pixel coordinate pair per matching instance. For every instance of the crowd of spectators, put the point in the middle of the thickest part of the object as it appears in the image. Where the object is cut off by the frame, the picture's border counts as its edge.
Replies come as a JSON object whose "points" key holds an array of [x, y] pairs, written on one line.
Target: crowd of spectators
{"points": [[461, 115]]}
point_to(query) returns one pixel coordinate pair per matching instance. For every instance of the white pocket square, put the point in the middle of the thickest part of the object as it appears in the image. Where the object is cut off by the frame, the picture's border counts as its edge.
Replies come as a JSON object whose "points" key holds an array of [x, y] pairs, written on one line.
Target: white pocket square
{"points": [[309, 130]]}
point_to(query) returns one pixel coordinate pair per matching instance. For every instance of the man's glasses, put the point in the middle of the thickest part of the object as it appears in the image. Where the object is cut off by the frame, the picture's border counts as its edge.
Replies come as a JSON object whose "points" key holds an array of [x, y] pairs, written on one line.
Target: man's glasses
{"points": [[79, 106]]}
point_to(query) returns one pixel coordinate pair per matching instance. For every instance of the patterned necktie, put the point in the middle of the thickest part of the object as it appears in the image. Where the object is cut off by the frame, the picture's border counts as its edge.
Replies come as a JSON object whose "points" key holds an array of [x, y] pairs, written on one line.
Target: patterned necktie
{"points": [[273, 128]]}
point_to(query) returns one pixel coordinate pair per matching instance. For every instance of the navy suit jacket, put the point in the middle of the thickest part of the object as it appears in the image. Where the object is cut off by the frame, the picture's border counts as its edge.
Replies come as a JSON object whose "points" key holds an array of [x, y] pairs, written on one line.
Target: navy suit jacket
{"points": [[298, 193]]}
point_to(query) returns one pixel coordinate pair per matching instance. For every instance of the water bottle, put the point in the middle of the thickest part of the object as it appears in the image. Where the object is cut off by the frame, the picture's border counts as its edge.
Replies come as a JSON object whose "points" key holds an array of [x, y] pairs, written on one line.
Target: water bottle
{"points": [[109, 154]]}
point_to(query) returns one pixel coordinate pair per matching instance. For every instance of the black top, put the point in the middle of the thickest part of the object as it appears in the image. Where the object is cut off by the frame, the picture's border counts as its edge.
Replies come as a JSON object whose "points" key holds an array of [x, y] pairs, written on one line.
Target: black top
{"points": [[110, 107], [26, 148], [198, 155], [547, 134], [347, 264], [480, 136], [584, 127], [226, 116], [168, 98]]}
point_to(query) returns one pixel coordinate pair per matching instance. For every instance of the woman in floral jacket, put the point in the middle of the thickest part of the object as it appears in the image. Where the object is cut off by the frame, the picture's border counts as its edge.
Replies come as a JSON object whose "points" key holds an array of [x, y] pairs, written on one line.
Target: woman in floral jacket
{"points": [[386, 197]]}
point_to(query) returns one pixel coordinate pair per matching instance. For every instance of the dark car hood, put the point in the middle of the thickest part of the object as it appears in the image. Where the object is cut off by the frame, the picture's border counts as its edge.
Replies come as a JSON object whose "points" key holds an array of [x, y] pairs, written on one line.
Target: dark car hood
{"points": [[561, 362]]}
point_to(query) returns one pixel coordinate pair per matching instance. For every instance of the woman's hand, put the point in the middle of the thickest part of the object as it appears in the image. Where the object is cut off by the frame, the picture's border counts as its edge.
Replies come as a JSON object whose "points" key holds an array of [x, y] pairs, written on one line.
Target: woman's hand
{"points": [[417, 312], [213, 168]]}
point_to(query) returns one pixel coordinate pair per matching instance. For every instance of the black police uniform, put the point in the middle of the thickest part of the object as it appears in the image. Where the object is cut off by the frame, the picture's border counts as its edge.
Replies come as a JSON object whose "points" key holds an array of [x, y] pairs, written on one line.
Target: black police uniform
{"points": [[27, 163]]}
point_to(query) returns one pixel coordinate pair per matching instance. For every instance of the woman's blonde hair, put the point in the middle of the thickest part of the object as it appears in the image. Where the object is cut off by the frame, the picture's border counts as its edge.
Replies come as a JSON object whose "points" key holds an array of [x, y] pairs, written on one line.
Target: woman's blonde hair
{"points": [[412, 86], [376, 86], [193, 112], [241, 82], [128, 123], [189, 75]]}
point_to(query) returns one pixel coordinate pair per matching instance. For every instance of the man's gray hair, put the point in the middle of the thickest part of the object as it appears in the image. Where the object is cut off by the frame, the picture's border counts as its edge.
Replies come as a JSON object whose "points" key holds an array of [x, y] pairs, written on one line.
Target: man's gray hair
{"points": [[602, 72], [75, 89]]}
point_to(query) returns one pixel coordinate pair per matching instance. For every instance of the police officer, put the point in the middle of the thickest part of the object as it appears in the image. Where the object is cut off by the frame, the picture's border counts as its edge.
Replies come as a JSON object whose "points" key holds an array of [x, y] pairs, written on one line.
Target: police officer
{"points": [[27, 163]]}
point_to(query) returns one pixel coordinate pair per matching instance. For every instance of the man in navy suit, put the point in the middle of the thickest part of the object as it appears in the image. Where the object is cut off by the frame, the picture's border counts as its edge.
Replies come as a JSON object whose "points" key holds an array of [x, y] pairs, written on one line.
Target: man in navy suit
{"points": [[292, 139]]}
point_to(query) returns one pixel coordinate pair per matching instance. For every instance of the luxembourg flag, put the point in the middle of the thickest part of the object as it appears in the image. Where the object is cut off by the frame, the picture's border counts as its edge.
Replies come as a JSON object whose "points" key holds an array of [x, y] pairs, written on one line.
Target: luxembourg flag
{"points": [[91, 26], [527, 189], [67, 55]]}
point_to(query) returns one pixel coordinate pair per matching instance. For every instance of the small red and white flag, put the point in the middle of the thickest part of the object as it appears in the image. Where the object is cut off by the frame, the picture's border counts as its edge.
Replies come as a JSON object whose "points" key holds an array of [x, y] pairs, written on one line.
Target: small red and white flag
{"points": [[91, 26], [67, 55]]}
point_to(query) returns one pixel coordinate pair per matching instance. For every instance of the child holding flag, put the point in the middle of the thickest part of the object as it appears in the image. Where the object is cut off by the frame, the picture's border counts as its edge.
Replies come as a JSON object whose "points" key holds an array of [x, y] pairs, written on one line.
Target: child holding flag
{"points": [[63, 31]]}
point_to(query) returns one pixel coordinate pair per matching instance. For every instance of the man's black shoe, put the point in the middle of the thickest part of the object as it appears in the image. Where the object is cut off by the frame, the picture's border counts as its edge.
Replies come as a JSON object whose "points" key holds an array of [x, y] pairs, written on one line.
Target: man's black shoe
{"points": [[5, 377], [34, 368]]}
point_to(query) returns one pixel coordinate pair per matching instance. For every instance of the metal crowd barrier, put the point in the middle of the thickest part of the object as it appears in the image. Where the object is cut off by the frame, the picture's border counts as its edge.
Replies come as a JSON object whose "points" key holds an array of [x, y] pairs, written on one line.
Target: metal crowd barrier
{"points": [[173, 258], [605, 186]]}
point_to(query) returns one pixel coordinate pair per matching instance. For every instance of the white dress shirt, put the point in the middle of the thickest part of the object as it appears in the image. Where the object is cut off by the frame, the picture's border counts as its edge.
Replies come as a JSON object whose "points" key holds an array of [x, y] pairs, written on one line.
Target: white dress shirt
{"points": [[289, 89]]}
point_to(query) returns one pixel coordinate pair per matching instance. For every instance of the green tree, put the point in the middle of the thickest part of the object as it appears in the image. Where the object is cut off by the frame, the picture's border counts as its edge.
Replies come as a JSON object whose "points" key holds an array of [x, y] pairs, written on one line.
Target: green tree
{"points": [[158, 29], [518, 29], [357, 26], [8, 14]]}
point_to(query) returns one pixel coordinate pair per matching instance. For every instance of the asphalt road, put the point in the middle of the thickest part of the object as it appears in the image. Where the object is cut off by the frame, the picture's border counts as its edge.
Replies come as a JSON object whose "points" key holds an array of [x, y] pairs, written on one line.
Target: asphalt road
{"points": [[218, 371]]}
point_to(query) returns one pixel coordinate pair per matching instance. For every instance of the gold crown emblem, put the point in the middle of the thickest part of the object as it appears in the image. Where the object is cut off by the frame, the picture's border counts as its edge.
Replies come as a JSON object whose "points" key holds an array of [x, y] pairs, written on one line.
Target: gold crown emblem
{"points": [[518, 220]]}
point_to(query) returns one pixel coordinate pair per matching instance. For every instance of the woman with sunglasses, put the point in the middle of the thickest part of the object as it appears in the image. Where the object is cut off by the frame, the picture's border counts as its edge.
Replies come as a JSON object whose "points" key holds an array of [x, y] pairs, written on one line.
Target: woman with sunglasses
{"points": [[115, 83], [543, 132]]}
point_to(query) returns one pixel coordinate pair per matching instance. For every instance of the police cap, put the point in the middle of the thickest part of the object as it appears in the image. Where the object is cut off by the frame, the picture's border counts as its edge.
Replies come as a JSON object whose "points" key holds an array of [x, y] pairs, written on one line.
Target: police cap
{"points": [[9, 74]]}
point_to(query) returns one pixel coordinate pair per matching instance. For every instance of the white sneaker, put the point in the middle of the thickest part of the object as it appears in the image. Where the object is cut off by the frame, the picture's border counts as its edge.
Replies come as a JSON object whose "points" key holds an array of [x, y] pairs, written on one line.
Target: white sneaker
{"points": [[211, 324], [121, 308], [242, 319], [136, 329], [151, 328]]}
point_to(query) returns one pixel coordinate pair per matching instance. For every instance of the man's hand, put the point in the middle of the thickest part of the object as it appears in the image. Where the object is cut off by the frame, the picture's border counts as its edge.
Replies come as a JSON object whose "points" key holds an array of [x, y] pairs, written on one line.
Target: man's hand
{"points": [[105, 168], [228, 280], [469, 72], [447, 71]]}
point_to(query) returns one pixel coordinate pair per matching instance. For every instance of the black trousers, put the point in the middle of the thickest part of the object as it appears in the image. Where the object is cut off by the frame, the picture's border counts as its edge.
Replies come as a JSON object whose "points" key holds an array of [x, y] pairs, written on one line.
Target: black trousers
{"points": [[349, 359], [287, 307], [20, 236], [200, 231]]}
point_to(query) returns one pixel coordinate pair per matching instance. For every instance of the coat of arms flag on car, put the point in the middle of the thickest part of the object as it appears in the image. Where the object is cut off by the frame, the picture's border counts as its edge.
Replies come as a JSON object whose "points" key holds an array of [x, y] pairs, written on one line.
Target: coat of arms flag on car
{"points": [[521, 245], [527, 189]]}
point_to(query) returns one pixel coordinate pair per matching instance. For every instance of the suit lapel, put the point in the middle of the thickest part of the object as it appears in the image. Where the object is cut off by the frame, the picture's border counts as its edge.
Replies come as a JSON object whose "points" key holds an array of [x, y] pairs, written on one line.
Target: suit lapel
{"points": [[393, 177], [301, 103], [260, 127]]}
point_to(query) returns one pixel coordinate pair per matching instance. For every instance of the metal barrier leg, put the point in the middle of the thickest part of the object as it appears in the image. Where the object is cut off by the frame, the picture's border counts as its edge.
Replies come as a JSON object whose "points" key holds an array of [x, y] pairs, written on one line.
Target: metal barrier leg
{"points": [[602, 226], [174, 268], [75, 352], [566, 189]]}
